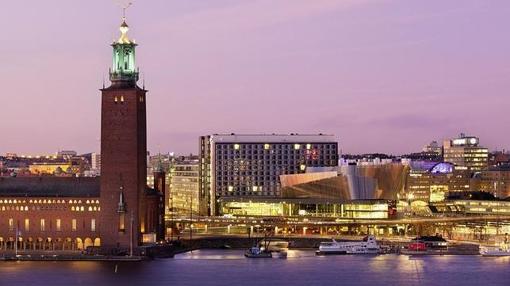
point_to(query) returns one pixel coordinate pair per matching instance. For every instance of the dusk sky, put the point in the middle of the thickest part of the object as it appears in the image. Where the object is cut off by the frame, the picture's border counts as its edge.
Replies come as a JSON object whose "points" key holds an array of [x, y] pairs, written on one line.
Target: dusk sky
{"points": [[383, 76]]}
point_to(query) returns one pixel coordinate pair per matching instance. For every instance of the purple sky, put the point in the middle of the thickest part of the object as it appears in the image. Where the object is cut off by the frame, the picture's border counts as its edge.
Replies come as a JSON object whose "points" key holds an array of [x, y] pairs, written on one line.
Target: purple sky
{"points": [[384, 76]]}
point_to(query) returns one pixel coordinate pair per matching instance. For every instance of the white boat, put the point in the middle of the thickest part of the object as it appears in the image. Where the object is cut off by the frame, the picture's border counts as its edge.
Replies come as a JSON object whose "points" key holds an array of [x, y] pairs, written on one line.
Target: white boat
{"points": [[502, 250], [367, 246]]}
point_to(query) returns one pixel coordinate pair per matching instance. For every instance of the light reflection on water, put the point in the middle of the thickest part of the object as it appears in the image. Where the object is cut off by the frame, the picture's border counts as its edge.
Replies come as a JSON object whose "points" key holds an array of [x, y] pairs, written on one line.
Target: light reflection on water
{"points": [[236, 254], [221, 267]]}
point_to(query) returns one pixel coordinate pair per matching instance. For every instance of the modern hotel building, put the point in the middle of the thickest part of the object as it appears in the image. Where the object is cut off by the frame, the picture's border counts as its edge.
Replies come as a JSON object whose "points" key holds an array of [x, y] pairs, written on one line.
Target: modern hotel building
{"points": [[244, 166]]}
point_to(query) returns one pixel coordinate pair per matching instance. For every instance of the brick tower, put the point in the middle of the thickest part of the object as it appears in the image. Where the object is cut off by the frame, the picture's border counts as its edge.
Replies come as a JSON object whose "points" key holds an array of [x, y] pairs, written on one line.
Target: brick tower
{"points": [[123, 150]]}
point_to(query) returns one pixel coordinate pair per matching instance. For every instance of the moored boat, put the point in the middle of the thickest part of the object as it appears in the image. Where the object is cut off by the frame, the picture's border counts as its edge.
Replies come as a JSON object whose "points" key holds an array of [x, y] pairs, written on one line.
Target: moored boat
{"points": [[502, 250], [367, 246], [256, 252], [415, 248], [434, 242]]}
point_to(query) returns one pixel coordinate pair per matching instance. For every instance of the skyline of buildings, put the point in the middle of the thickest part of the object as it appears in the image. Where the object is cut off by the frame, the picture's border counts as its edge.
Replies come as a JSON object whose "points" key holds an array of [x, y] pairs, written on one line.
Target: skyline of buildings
{"points": [[325, 91], [292, 174]]}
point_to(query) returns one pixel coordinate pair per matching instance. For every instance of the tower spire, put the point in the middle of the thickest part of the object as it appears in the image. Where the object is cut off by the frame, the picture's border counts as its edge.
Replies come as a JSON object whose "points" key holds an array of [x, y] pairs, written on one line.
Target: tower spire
{"points": [[124, 70]]}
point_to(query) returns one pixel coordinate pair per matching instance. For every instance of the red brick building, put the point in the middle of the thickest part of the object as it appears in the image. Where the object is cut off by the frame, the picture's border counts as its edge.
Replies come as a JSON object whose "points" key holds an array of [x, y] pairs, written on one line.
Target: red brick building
{"points": [[117, 211], [51, 213]]}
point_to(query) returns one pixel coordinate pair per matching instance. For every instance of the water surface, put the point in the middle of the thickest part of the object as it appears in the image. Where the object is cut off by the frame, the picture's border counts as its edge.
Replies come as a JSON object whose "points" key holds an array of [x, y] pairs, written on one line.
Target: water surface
{"points": [[229, 267]]}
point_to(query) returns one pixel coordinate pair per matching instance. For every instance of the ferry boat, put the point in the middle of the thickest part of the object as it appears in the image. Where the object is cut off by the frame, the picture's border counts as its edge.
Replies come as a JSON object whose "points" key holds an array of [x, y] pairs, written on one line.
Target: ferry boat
{"points": [[367, 246]]}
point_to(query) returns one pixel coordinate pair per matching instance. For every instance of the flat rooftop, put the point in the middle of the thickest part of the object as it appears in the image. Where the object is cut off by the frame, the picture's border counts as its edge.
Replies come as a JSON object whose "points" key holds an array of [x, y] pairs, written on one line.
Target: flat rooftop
{"points": [[273, 138], [49, 187]]}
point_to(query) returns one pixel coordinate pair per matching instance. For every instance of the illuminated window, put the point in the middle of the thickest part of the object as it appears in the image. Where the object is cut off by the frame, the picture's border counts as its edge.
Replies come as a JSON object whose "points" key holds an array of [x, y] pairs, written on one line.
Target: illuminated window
{"points": [[141, 98], [267, 146], [237, 146], [121, 98], [27, 224], [59, 225], [308, 146], [11, 224], [73, 225], [122, 226], [93, 225], [43, 225], [297, 146], [116, 99]]}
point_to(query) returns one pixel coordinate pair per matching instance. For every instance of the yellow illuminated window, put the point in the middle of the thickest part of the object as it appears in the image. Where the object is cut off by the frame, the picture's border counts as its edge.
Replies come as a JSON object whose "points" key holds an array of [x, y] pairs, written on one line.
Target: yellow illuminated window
{"points": [[11, 224], [27, 224], [93, 225], [59, 225], [122, 226], [267, 146], [73, 225], [43, 225], [297, 146], [236, 146]]}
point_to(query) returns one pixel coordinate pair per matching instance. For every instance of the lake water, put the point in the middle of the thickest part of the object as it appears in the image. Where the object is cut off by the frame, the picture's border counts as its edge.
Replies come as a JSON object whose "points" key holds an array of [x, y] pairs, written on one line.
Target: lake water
{"points": [[229, 267]]}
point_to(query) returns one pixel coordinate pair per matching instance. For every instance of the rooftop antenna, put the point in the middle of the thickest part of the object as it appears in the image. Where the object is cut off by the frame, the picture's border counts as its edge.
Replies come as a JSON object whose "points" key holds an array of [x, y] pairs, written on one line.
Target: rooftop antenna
{"points": [[124, 5], [124, 8]]}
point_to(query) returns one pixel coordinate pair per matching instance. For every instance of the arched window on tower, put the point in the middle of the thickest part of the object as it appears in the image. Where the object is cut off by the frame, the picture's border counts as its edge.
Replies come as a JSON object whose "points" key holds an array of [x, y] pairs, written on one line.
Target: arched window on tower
{"points": [[126, 59]]}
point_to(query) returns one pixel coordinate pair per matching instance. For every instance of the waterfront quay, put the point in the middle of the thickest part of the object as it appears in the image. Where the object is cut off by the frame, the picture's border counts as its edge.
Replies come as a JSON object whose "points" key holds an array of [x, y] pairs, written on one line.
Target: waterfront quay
{"points": [[312, 242], [481, 229]]}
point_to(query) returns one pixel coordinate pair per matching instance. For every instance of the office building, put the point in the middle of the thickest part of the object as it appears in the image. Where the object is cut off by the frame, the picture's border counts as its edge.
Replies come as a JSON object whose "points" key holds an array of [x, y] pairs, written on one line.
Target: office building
{"points": [[466, 153], [183, 188]]}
